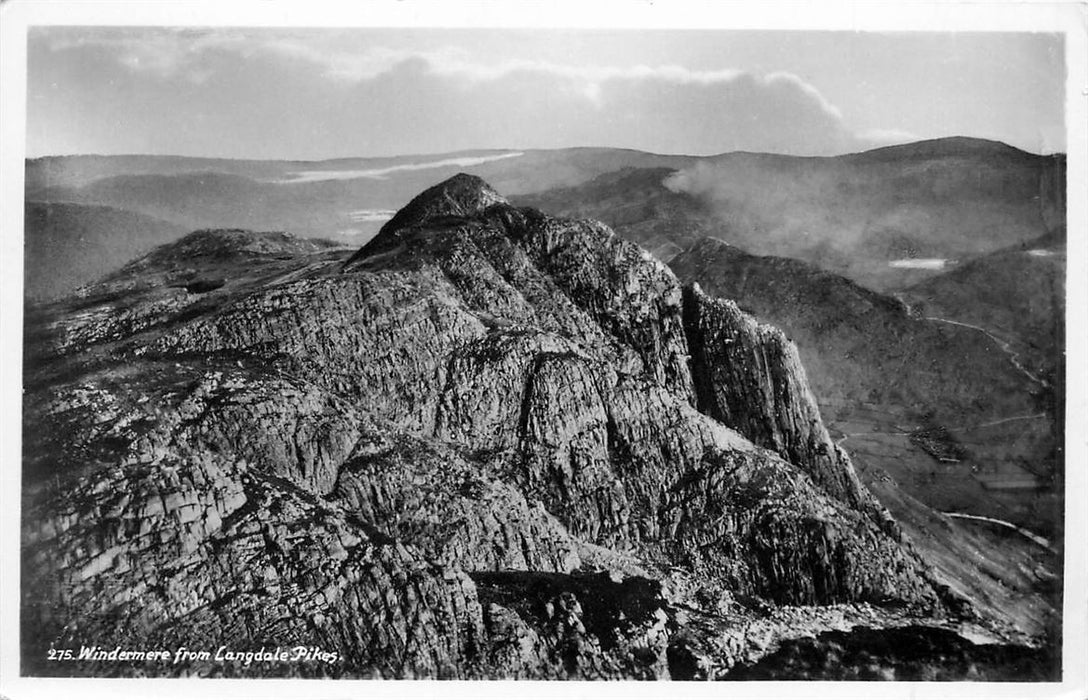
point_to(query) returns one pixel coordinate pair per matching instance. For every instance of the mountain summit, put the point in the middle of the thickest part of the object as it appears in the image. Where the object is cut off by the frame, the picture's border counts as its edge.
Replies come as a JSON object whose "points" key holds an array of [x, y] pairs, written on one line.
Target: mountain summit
{"points": [[496, 445], [451, 202], [462, 195]]}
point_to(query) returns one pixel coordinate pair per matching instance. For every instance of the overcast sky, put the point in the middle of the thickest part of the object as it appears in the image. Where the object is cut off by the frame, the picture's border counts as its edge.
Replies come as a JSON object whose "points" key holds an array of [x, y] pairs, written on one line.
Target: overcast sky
{"points": [[312, 94]]}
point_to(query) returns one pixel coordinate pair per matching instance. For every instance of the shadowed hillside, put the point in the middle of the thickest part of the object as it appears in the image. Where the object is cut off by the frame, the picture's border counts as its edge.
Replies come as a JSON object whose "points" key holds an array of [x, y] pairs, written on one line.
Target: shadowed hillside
{"points": [[901, 392], [67, 245], [1017, 293]]}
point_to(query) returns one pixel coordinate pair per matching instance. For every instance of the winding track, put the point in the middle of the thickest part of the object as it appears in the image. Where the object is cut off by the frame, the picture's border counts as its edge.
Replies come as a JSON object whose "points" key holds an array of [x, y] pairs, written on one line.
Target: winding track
{"points": [[1037, 539], [1014, 357]]}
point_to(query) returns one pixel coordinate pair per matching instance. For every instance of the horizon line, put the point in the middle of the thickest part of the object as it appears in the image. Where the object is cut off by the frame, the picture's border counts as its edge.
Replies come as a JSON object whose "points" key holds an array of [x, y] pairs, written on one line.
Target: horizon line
{"points": [[433, 154]]}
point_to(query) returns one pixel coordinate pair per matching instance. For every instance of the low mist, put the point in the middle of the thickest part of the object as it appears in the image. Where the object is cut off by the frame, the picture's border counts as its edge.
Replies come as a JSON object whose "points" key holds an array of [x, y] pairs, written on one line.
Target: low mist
{"points": [[856, 215]]}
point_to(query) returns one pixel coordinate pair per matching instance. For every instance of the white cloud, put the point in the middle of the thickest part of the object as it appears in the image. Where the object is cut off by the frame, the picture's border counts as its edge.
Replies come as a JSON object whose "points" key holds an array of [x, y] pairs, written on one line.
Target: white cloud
{"points": [[164, 52], [786, 78], [586, 81], [449, 98], [169, 52]]}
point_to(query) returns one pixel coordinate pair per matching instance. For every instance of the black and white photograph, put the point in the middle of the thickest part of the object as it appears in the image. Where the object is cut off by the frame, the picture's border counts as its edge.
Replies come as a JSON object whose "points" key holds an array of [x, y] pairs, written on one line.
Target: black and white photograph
{"points": [[546, 347]]}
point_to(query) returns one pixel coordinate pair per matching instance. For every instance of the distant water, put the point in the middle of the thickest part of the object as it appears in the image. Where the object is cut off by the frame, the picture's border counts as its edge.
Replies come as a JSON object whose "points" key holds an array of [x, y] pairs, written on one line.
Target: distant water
{"points": [[371, 215], [919, 263], [380, 173]]}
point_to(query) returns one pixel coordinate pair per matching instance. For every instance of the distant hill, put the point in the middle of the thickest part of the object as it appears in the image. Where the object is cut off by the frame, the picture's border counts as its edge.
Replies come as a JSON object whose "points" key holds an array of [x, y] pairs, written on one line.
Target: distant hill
{"points": [[947, 147], [1017, 293], [68, 244], [194, 200], [346, 199], [946, 200], [319, 194], [636, 202], [80, 170]]}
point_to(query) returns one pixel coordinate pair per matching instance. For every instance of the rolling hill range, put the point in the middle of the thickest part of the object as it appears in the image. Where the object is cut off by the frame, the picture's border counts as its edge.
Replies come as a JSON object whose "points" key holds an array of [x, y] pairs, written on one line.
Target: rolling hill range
{"points": [[889, 379], [880, 218], [345, 199], [313, 198], [856, 215]]}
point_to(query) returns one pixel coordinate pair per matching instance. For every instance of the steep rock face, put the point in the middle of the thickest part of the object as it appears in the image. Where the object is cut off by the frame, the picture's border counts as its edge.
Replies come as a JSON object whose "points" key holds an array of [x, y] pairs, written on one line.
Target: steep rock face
{"points": [[749, 376], [417, 458], [857, 343]]}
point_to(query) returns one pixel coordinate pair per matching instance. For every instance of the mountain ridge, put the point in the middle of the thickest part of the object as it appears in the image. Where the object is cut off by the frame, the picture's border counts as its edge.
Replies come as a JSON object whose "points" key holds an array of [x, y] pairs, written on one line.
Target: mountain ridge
{"points": [[970, 141], [338, 200]]}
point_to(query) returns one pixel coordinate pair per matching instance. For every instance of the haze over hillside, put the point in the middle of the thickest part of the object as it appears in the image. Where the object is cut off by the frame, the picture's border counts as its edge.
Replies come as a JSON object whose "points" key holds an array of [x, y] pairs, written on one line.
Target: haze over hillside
{"points": [[881, 218], [856, 215], [68, 245]]}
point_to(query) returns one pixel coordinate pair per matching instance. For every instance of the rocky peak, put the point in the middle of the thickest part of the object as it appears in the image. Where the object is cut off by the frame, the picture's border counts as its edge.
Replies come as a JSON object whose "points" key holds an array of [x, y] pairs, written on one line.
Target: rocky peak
{"points": [[454, 201], [417, 462], [461, 196]]}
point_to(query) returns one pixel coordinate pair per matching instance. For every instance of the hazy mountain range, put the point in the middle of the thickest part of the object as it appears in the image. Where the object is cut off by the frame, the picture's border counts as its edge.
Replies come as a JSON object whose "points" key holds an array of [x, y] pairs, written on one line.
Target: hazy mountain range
{"points": [[944, 200], [882, 218]]}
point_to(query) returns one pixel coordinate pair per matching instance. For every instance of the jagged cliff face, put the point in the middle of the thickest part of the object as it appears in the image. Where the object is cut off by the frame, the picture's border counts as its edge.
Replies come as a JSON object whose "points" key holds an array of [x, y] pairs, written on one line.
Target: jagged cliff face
{"points": [[490, 444]]}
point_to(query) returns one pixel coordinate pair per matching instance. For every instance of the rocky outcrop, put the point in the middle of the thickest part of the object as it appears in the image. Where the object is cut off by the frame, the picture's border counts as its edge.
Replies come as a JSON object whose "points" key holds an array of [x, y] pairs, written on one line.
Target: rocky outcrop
{"points": [[749, 376], [454, 201], [491, 444]]}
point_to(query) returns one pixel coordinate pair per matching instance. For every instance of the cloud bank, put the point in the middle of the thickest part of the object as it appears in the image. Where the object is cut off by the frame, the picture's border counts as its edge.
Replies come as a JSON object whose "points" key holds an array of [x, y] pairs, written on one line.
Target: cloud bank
{"points": [[299, 94]]}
